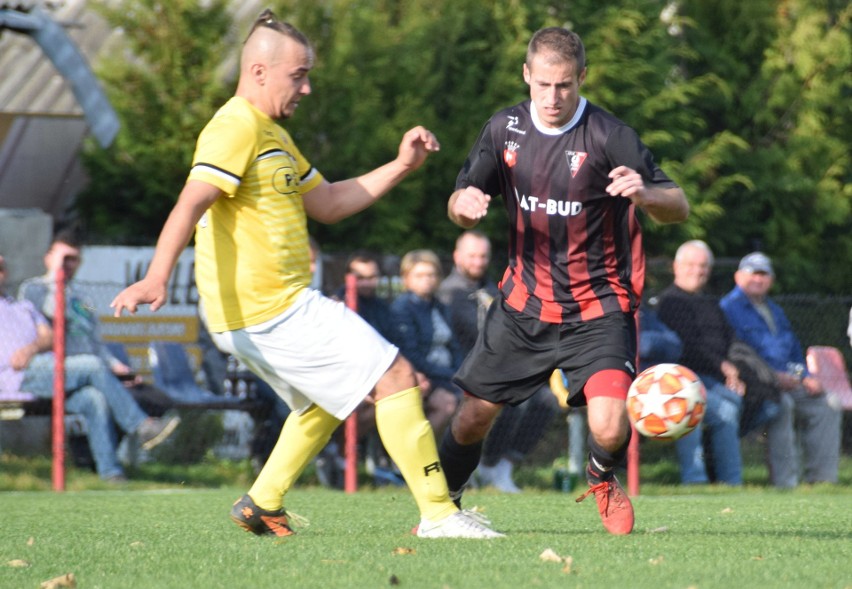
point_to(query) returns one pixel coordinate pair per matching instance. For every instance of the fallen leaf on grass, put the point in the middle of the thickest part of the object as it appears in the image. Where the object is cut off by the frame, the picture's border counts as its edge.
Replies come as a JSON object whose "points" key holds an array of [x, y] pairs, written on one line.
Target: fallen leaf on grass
{"points": [[657, 560], [18, 563], [549, 555], [660, 530], [137, 544], [757, 558], [30, 541], [727, 510], [404, 550], [66, 580]]}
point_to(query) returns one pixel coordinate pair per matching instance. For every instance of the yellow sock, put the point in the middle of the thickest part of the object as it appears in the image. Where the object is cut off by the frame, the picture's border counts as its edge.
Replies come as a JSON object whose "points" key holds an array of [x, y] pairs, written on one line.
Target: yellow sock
{"points": [[410, 442], [302, 437]]}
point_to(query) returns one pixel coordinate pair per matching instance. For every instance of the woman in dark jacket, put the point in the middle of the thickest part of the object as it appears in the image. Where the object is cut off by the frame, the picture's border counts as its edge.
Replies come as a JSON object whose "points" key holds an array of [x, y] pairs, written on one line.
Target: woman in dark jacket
{"points": [[425, 336]]}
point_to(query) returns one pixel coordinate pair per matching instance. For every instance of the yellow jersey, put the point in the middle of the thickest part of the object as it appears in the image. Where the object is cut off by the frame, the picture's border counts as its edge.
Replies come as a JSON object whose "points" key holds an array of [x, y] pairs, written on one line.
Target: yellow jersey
{"points": [[252, 257]]}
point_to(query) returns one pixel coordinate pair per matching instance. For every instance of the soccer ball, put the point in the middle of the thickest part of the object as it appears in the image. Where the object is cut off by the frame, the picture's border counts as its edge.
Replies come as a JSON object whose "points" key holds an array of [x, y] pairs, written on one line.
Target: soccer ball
{"points": [[666, 401]]}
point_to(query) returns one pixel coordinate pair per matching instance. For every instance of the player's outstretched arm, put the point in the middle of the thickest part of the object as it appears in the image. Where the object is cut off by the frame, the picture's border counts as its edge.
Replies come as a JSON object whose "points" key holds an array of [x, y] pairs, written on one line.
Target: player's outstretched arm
{"points": [[333, 202], [664, 205], [468, 206], [195, 198]]}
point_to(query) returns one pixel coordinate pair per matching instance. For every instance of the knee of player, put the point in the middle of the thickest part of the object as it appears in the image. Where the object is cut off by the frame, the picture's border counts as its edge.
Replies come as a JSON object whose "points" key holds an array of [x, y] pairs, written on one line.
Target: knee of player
{"points": [[610, 439], [610, 433], [398, 377], [473, 421]]}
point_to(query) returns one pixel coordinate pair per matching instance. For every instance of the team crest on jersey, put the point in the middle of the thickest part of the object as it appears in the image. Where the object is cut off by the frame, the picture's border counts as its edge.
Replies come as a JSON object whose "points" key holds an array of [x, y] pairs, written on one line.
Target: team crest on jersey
{"points": [[510, 154], [575, 160]]}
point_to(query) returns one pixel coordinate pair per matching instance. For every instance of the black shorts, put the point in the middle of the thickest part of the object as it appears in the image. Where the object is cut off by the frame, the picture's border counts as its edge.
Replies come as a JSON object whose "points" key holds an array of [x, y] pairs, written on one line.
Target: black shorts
{"points": [[515, 354]]}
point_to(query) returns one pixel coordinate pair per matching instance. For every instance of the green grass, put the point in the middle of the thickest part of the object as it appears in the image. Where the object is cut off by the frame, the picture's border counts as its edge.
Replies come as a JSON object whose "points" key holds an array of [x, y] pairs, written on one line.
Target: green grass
{"points": [[699, 537], [169, 528]]}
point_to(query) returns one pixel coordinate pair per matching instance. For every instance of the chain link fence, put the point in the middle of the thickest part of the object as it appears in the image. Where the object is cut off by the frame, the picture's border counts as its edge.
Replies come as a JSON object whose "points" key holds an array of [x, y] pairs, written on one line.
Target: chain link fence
{"points": [[817, 320]]}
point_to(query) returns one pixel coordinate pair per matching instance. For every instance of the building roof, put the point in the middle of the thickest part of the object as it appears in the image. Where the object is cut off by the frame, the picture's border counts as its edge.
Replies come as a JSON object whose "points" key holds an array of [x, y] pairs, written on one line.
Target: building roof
{"points": [[42, 125], [32, 85]]}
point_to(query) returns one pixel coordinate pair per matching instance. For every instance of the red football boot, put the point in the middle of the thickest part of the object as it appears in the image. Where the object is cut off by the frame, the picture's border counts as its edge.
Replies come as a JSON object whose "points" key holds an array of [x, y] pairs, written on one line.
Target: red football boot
{"points": [[613, 504]]}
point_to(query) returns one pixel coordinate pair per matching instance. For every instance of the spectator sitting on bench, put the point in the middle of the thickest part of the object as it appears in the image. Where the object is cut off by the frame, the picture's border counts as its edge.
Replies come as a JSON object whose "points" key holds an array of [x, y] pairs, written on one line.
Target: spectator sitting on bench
{"points": [[26, 364], [806, 423], [425, 336], [706, 338], [82, 328], [82, 332]]}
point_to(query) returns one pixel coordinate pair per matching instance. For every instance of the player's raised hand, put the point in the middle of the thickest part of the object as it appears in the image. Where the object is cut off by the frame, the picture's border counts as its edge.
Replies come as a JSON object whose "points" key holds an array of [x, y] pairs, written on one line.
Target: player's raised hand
{"points": [[467, 207], [416, 145], [141, 293], [664, 205], [626, 182]]}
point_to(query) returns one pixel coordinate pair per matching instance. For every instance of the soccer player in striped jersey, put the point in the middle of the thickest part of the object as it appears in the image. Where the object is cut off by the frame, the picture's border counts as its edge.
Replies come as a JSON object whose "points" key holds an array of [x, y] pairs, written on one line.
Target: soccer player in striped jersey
{"points": [[246, 199], [572, 177]]}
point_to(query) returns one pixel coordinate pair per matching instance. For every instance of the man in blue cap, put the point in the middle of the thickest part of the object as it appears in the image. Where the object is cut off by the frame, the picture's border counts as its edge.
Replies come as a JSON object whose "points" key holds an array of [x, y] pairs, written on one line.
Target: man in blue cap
{"points": [[762, 324]]}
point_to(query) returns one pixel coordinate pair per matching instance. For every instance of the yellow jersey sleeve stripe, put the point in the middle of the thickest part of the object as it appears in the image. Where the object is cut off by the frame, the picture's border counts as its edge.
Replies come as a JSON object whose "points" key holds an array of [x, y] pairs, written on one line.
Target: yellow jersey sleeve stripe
{"points": [[310, 180], [271, 153], [222, 179]]}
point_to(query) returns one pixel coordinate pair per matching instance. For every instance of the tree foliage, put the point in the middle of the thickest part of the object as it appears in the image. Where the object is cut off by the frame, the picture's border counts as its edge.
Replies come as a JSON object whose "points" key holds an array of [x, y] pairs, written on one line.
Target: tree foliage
{"points": [[788, 70], [745, 104], [165, 85]]}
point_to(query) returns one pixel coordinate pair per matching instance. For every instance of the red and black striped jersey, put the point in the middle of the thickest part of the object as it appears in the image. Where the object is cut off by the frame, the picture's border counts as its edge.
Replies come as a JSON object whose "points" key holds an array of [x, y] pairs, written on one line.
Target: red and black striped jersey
{"points": [[575, 252]]}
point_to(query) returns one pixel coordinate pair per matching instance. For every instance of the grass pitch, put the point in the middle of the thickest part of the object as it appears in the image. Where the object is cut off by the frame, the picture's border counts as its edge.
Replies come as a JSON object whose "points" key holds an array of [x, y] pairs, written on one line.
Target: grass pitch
{"points": [[699, 537]]}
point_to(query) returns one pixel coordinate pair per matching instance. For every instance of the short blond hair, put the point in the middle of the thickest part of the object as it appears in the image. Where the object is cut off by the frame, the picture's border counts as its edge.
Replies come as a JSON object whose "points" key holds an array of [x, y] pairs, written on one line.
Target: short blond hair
{"points": [[415, 257]]}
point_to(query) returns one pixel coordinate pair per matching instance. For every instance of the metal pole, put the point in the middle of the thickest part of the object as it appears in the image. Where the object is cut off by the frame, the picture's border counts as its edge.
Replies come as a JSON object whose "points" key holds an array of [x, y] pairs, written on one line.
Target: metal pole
{"points": [[633, 446], [350, 473], [58, 414]]}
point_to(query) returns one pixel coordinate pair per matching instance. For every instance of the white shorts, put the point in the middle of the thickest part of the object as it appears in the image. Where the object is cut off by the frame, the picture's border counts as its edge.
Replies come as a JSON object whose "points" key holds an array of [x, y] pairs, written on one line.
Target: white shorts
{"points": [[317, 351]]}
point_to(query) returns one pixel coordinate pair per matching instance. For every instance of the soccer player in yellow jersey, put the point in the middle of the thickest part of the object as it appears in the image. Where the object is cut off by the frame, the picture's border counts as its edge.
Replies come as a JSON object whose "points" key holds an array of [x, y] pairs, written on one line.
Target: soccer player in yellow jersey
{"points": [[246, 199]]}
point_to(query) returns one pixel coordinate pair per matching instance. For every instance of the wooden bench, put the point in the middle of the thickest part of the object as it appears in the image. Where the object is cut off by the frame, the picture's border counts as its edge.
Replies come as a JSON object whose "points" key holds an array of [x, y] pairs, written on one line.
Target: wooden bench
{"points": [[15, 405]]}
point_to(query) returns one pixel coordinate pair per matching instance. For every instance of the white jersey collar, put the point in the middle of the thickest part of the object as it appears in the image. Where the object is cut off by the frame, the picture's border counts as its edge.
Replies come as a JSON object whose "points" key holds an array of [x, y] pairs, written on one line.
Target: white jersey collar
{"points": [[581, 106]]}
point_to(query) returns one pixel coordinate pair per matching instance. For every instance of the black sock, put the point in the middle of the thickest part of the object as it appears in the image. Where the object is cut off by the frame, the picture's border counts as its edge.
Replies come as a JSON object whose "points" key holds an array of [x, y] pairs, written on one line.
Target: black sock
{"points": [[602, 462], [458, 461]]}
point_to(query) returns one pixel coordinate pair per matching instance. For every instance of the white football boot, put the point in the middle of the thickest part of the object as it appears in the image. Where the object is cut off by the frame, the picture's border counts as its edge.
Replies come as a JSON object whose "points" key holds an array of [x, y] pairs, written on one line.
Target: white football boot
{"points": [[461, 524]]}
